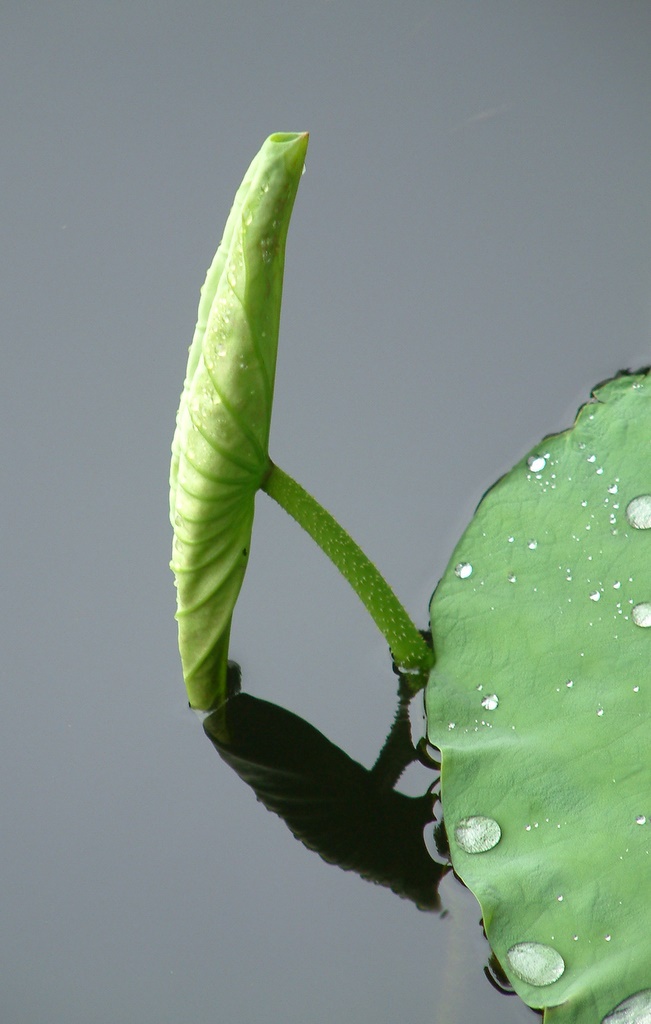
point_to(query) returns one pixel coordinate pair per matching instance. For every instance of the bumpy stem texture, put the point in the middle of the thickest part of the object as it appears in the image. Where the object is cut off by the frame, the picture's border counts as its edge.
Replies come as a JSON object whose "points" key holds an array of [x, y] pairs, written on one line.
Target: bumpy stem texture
{"points": [[410, 651]]}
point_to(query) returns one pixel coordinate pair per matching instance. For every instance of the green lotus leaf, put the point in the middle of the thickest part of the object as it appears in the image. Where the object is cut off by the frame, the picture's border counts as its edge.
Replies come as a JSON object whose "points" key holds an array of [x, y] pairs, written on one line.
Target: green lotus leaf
{"points": [[220, 447], [540, 702]]}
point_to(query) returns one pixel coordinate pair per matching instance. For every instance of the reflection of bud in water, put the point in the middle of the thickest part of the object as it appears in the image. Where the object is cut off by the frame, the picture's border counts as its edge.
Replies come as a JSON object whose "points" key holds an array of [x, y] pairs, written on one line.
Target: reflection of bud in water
{"points": [[331, 803], [220, 447]]}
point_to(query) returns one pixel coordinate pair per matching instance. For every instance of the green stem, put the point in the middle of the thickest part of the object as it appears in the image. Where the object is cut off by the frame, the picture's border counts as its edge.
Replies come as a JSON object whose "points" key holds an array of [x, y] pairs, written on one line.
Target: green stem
{"points": [[410, 651]]}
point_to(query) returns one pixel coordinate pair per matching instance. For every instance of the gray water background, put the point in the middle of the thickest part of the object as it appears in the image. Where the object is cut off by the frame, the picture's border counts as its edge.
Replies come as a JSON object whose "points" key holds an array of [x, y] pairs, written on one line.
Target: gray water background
{"points": [[470, 252]]}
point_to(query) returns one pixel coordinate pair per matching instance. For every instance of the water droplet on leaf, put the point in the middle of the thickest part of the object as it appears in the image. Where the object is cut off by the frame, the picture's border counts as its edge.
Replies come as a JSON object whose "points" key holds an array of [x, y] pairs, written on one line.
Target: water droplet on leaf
{"points": [[490, 702], [641, 614], [536, 463], [638, 512], [477, 834], [463, 570], [634, 1010], [535, 963]]}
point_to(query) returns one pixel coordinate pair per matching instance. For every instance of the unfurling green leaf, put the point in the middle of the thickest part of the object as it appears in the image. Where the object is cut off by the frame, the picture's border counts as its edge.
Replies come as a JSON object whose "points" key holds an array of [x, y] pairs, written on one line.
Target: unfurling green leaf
{"points": [[220, 447], [540, 702]]}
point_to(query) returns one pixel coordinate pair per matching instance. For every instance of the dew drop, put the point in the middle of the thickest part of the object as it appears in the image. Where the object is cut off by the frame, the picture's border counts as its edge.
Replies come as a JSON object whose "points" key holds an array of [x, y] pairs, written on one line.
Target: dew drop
{"points": [[532, 545], [634, 1010], [266, 250], [641, 819], [638, 512], [592, 458], [536, 463], [463, 570], [595, 595], [477, 834], [535, 963], [490, 702], [641, 614], [512, 578], [612, 489], [570, 683]]}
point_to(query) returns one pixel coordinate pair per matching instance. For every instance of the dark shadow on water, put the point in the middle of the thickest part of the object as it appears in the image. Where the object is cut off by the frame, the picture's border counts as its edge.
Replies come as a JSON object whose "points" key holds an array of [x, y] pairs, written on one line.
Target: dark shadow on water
{"points": [[350, 815]]}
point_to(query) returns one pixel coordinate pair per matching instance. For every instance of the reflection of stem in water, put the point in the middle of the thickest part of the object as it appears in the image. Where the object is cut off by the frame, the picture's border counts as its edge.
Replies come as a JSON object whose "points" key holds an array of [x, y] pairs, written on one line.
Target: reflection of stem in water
{"points": [[397, 752]]}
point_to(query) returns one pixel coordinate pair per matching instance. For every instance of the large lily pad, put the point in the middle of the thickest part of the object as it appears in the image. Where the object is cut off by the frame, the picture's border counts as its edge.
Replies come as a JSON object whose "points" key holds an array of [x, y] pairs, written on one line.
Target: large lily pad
{"points": [[220, 447], [540, 702]]}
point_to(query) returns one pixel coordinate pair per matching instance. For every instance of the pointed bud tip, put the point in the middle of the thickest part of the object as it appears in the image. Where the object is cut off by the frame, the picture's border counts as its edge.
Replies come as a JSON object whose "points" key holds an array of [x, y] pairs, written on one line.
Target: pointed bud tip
{"points": [[292, 142], [288, 136]]}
